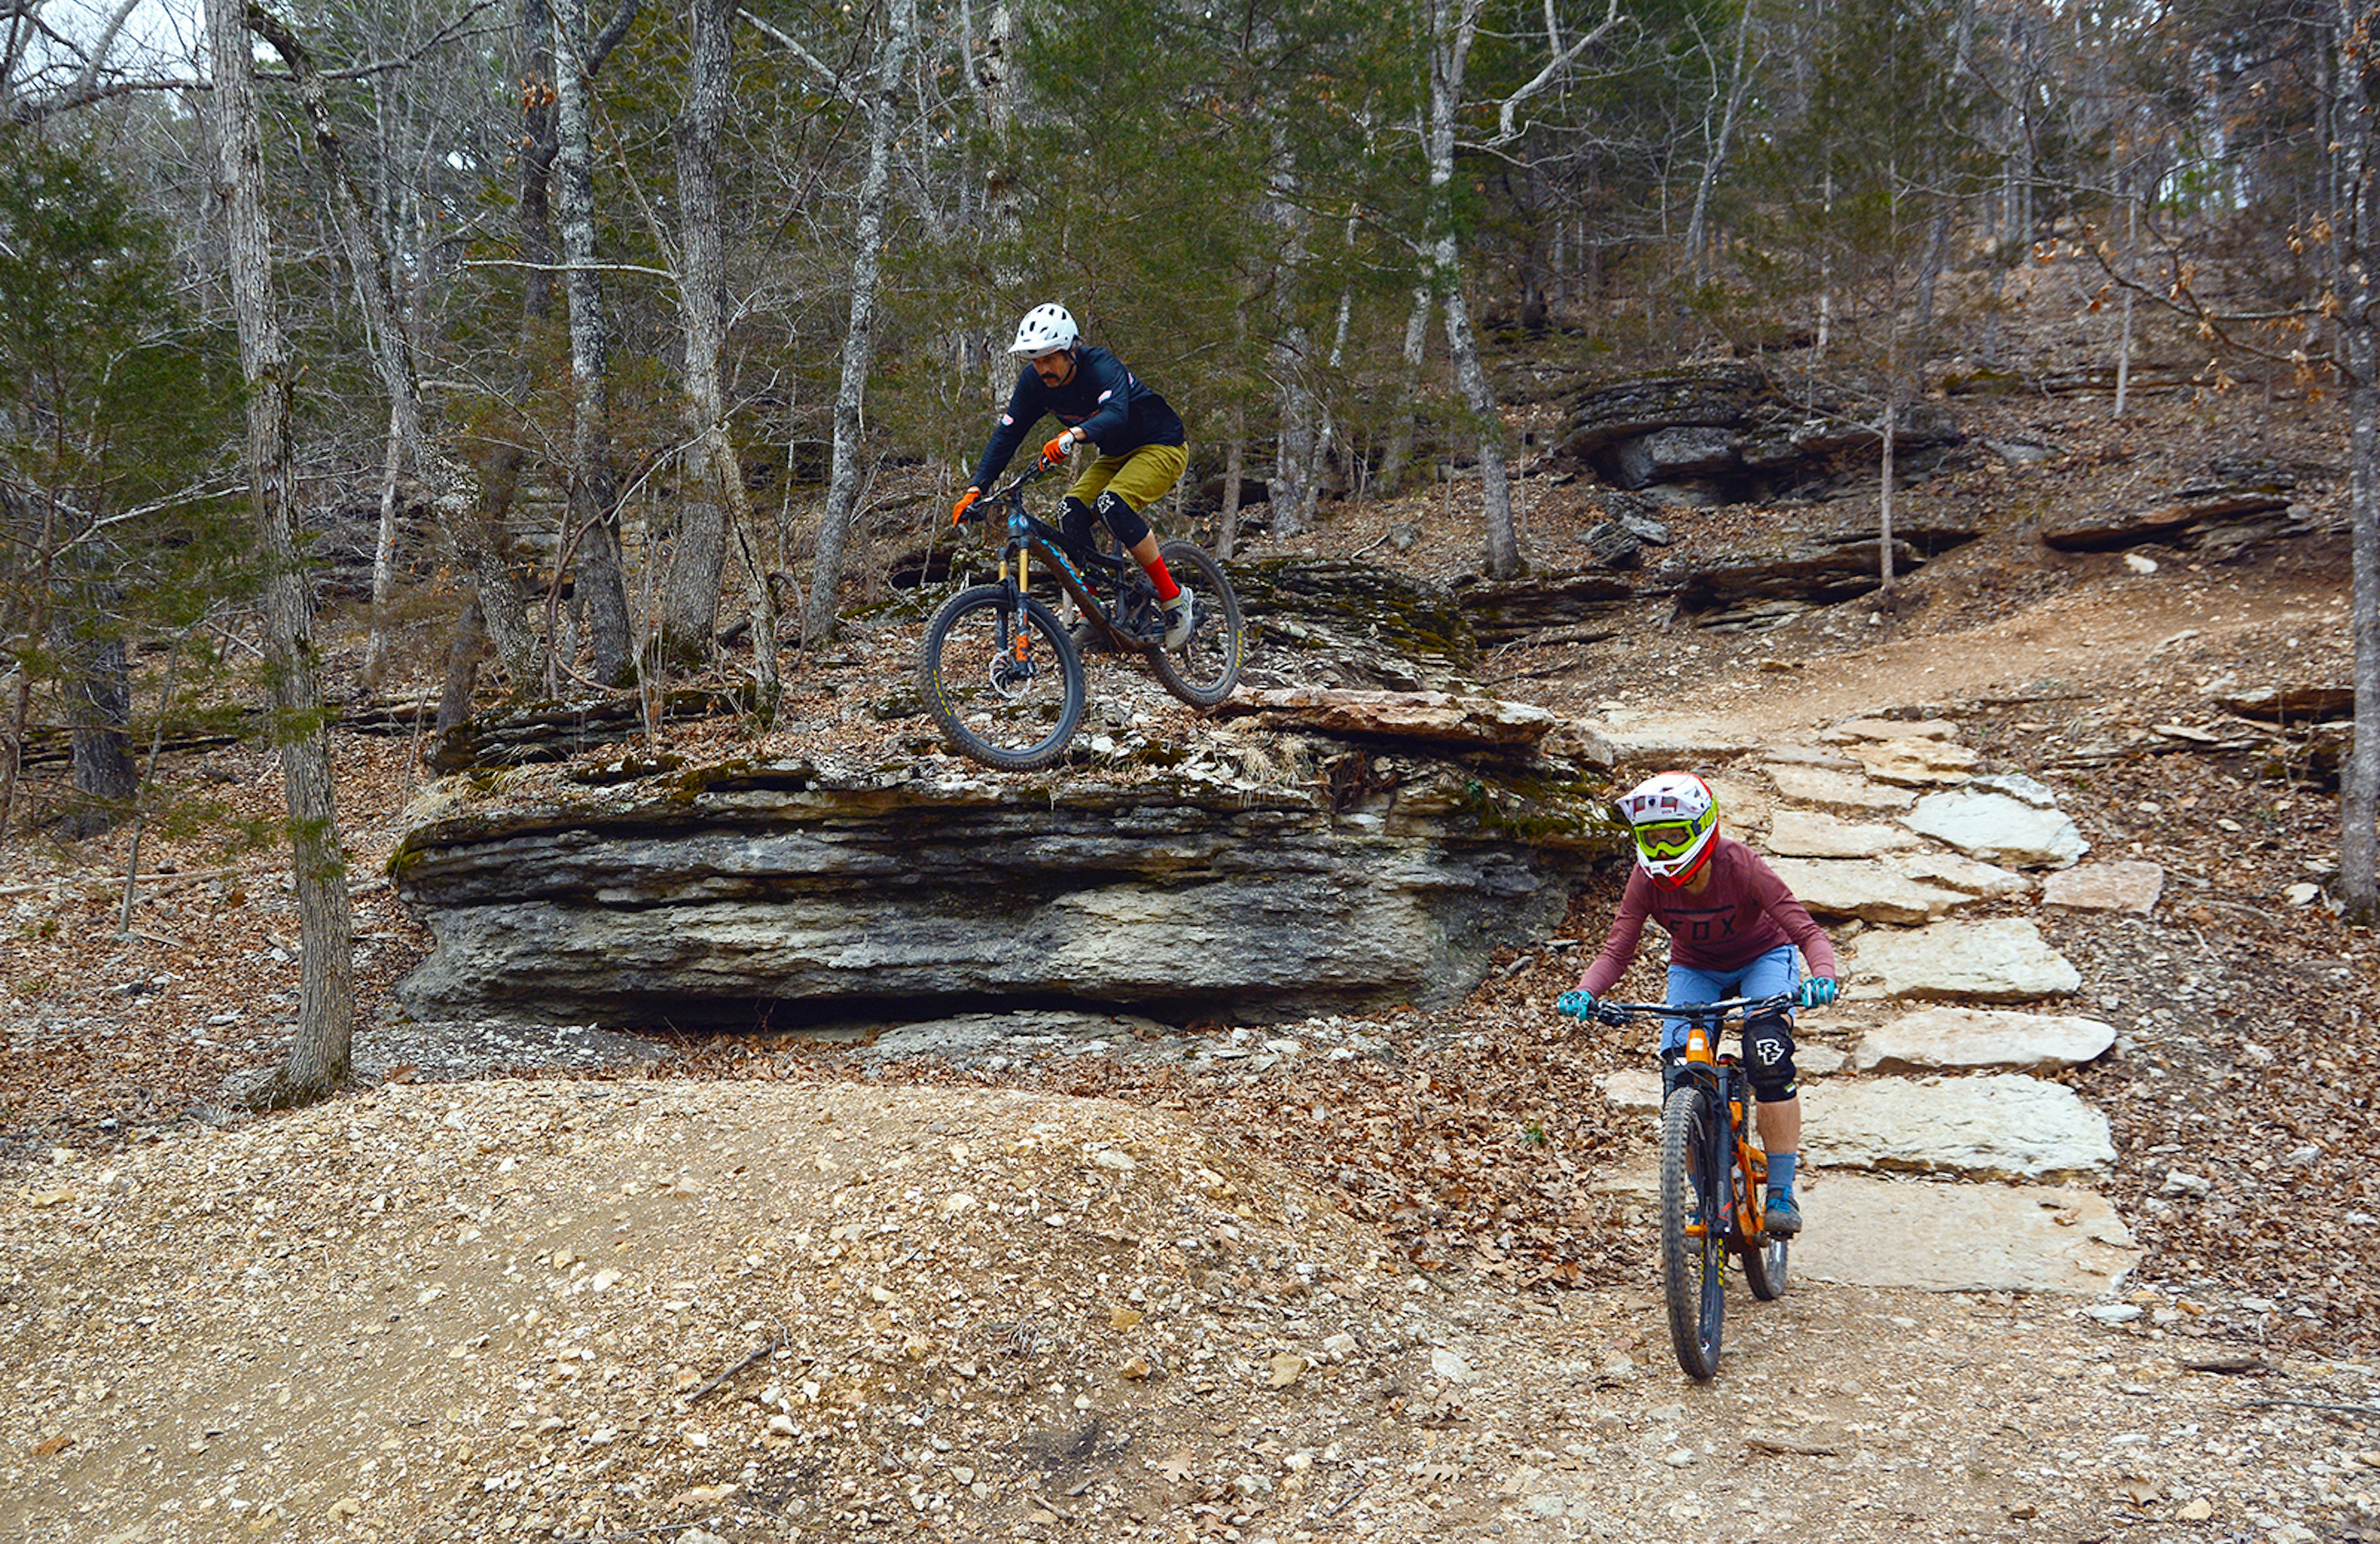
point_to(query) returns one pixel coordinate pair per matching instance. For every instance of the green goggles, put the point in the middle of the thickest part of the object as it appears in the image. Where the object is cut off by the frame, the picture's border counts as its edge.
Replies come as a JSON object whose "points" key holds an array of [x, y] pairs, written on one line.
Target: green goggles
{"points": [[1667, 838]]}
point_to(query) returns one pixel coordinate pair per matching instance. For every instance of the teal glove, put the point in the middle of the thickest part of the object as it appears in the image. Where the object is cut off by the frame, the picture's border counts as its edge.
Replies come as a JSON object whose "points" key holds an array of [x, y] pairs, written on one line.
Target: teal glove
{"points": [[1818, 991], [1575, 1004]]}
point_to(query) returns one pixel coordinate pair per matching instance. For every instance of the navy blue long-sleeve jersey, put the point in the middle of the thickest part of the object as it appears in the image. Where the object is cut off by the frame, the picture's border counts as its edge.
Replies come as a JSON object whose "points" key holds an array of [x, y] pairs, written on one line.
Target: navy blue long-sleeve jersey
{"points": [[1109, 404]]}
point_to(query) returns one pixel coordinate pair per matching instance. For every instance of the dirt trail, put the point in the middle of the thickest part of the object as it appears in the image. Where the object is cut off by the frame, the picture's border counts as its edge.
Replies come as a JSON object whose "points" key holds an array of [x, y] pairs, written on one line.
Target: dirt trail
{"points": [[2083, 643], [499, 1309]]}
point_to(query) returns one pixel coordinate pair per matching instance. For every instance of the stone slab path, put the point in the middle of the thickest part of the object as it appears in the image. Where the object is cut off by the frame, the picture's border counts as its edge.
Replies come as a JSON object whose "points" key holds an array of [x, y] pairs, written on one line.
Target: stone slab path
{"points": [[1889, 832]]}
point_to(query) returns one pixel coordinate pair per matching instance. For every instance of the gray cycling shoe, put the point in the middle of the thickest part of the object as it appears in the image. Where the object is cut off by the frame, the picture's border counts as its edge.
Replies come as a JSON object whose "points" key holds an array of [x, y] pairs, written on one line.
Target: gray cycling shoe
{"points": [[1778, 1215], [1088, 640], [1181, 616]]}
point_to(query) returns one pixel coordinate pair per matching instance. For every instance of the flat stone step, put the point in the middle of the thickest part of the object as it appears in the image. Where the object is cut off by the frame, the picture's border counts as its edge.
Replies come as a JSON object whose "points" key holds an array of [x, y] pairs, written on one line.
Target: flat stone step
{"points": [[1916, 762], [1815, 833], [1965, 1040], [2002, 960], [1998, 828], [1930, 1236], [1935, 1237], [1987, 880], [1866, 889], [2001, 1126], [1839, 790]]}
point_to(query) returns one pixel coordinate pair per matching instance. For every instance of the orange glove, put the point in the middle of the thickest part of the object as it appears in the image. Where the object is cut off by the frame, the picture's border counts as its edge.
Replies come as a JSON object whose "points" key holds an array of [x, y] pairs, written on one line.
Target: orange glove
{"points": [[1055, 451], [958, 510]]}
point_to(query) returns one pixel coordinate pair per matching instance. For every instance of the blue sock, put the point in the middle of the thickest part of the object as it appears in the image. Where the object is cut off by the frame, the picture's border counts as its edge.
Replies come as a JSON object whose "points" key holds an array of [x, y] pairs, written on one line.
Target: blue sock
{"points": [[1780, 1172]]}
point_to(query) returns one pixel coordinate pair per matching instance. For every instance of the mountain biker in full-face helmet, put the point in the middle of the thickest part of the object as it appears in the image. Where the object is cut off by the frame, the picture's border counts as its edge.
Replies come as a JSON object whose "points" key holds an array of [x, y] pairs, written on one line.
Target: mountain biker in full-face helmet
{"points": [[1732, 929], [1139, 438]]}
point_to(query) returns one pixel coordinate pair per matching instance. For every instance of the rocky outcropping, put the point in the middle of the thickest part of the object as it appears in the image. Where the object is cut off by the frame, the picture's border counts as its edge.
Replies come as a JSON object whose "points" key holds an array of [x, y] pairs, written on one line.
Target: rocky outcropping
{"points": [[1732, 432], [798, 891], [1354, 624], [2239, 503]]}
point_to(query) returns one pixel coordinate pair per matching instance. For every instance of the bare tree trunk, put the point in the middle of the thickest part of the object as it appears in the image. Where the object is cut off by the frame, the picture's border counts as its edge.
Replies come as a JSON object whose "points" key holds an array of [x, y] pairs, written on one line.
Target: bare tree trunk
{"points": [[1400, 427], [711, 24], [2124, 340], [99, 713], [1884, 539], [392, 347], [1293, 446], [2359, 336], [594, 497], [1227, 522], [859, 329], [463, 649], [383, 568], [482, 538], [690, 598], [1739, 83], [319, 1059], [1452, 35]]}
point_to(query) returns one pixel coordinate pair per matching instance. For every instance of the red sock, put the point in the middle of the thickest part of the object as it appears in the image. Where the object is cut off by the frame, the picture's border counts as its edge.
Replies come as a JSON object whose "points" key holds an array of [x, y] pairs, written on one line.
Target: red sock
{"points": [[1166, 588]]}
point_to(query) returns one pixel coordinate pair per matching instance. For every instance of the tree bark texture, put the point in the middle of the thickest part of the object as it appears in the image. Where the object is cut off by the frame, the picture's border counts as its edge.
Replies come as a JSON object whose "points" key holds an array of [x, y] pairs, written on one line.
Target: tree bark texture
{"points": [[392, 345], [319, 1059], [690, 597], [99, 712], [1455, 25], [1398, 449], [594, 494], [2358, 78], [859, 330], [703, 283]]}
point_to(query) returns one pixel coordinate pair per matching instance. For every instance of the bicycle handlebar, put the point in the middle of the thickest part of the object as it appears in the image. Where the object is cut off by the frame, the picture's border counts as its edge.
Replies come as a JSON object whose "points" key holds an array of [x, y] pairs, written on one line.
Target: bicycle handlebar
{"points": [[1705, 1012], [977, 512]]}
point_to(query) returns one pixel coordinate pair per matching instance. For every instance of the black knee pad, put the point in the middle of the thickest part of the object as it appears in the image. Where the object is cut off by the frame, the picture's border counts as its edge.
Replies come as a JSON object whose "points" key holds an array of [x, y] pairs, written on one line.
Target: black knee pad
{"points": [[1075, 518], [1768, 1056], [1123, 519]]}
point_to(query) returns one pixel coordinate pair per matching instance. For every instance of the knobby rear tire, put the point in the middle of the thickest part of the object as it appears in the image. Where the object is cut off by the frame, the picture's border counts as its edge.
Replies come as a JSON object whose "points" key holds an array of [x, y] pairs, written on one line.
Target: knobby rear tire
{"points": [[984, 705], [1694, 1270], [1203, 671]]}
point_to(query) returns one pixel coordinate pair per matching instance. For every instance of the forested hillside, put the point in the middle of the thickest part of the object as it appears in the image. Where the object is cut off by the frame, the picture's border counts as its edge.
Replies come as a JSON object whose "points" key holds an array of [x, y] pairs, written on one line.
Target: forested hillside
{"points": [[544, 348]]}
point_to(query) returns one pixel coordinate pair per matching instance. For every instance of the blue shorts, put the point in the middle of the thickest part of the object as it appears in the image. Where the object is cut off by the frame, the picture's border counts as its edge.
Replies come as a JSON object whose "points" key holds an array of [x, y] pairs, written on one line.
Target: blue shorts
{"points": [[1773, 972]]}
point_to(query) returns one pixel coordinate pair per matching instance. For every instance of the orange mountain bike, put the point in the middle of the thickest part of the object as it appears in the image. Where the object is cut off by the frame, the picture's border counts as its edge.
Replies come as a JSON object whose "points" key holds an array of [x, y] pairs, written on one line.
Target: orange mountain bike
{"points": [[1714, 1177]]}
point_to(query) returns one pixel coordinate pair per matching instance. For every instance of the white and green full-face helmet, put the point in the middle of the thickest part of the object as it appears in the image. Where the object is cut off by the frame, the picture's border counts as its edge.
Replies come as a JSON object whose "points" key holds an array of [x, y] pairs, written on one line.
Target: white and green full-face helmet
{"points": [[1674, 817]]}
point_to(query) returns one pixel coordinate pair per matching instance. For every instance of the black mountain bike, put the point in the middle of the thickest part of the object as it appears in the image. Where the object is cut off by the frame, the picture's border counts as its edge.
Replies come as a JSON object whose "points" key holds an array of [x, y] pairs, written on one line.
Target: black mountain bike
{"points": [[1713, 1179], [1001, 678]]}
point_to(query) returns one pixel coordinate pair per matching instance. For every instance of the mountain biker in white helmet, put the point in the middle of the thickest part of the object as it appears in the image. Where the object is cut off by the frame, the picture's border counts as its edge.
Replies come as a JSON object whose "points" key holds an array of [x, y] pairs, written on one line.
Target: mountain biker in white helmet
{"points": [[1733, 926], [1139, 438]]}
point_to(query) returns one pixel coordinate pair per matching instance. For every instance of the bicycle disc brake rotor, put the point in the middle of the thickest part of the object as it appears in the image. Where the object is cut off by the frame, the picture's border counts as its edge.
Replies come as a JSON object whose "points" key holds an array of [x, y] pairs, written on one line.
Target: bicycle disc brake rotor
{"points": [[1011, 678]]}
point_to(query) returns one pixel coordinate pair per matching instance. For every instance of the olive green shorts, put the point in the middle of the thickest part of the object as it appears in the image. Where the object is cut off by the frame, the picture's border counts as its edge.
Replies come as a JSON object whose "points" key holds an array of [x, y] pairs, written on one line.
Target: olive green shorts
{"points": [[1140, 479]]}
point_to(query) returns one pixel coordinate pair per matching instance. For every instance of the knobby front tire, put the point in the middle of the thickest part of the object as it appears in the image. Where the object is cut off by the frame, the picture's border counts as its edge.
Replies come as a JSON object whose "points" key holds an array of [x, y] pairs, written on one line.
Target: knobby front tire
{"points": [[1764, 1254], [1205, 669], [1006, 712], [1693, 1268]]}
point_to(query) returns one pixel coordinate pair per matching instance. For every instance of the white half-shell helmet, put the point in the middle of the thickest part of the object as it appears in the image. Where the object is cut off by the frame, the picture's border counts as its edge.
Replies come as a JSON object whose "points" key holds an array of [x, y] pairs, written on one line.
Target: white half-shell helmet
{"points": [[1674, 818], [1045, 329]]}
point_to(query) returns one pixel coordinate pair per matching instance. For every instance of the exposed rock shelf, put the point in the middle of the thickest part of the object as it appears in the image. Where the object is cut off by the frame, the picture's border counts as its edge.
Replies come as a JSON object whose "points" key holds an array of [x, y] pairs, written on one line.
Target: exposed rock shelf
{"points": [[790, 892]]}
